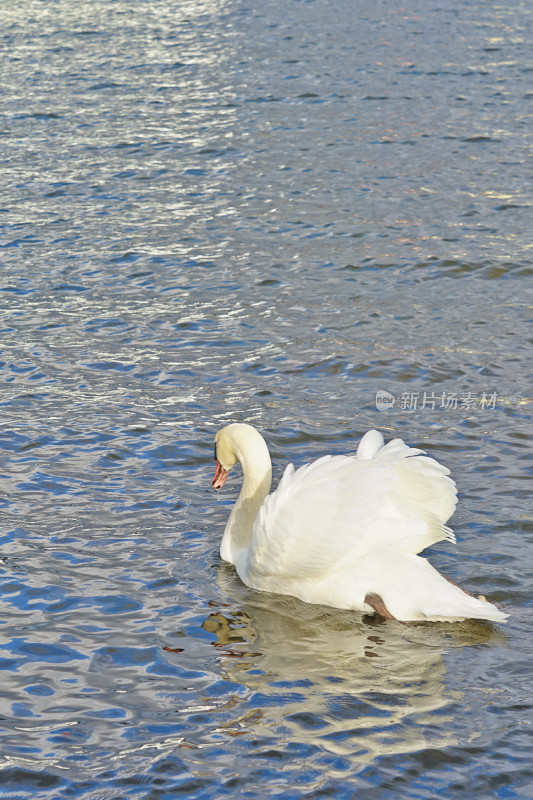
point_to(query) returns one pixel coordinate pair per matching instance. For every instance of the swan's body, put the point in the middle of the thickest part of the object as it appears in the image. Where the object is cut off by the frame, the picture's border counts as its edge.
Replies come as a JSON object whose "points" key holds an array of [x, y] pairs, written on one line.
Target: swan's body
{"points": [[345, 530]]}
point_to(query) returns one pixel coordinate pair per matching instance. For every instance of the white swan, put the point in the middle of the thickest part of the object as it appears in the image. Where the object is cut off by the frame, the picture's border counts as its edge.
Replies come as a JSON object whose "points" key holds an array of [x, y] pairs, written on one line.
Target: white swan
{"points": [[344, 531]]}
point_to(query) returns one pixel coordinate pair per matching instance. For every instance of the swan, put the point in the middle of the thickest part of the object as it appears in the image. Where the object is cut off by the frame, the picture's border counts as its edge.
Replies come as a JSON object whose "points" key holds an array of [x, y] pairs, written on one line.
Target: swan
{"points": [[345, 530]]}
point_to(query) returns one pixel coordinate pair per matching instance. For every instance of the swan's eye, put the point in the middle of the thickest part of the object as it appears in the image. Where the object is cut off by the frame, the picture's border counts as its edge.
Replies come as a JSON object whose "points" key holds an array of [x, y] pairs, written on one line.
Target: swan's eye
{"points": [[216, 459]]}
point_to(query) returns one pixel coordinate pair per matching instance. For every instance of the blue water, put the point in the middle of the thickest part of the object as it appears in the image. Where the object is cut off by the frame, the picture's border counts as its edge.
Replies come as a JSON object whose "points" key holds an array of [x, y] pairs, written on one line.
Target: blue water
{"points": [[217, 211]]}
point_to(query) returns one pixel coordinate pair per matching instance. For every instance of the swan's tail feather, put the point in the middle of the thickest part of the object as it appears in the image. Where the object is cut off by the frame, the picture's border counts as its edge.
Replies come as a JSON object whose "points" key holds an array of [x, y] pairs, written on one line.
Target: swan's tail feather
{"points": [[422, 593]]}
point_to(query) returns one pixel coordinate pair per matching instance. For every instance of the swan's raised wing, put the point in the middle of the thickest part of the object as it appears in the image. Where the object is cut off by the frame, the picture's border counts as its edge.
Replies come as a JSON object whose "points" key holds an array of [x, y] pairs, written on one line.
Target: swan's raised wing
{"points": [[340, 507]]}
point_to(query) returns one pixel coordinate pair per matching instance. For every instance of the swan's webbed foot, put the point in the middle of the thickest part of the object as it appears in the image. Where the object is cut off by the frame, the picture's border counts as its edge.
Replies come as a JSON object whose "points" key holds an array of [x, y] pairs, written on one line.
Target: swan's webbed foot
{"points": [[376, 601]]}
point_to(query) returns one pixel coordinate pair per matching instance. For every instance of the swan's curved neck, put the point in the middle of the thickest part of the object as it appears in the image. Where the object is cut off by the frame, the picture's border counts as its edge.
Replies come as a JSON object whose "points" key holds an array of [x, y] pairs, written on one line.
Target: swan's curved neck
{"points": [[257, 477]]}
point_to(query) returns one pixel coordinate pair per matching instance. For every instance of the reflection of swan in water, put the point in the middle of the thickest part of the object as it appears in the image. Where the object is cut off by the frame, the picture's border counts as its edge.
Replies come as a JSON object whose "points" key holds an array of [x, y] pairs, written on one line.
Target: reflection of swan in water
{"points": [[330, 678]]}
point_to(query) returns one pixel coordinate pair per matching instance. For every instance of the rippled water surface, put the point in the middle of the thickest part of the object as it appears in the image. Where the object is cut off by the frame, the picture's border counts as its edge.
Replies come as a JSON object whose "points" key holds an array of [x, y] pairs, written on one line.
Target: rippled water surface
{"points": [[216, 210]]}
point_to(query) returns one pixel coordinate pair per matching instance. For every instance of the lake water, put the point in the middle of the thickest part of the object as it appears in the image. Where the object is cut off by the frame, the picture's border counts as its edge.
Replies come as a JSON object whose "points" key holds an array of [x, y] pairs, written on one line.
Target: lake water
{"points": [[218, 210]]}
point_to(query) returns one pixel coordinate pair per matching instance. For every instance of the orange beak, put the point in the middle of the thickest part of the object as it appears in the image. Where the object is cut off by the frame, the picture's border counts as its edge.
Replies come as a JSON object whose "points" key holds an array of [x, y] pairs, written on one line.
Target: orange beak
{"points": [[221, 475]]}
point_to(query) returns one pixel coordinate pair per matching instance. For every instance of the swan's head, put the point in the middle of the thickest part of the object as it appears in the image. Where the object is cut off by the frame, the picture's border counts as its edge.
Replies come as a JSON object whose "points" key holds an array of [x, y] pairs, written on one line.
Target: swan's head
{"points": [[235, 442]]}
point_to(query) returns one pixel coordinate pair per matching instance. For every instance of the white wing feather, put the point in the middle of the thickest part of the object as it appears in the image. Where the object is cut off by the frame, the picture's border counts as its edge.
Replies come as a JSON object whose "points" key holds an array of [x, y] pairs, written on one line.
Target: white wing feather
{"points": [[338, 508]]}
